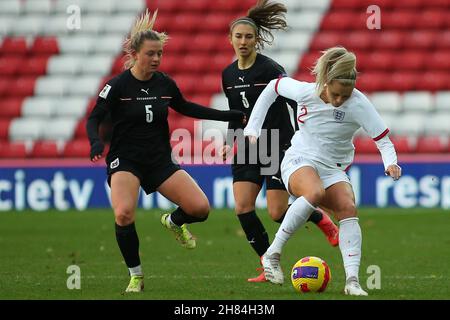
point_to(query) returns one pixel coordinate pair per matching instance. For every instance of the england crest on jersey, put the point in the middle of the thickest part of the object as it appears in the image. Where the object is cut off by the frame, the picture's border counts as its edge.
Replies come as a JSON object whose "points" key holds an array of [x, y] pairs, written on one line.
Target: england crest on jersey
{"points": [[338, 115]]}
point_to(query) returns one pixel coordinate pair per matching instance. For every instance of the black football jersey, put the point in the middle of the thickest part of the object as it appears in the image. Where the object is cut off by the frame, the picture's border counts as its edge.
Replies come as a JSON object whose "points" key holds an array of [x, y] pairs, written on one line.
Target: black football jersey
{"points": [[139, 111], [243, 87]]}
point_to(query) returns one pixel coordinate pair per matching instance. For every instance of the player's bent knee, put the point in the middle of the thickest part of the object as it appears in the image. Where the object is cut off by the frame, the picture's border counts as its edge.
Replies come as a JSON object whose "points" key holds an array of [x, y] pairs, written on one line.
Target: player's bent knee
{"points": [[243, 208], [315, 195], [199, 210], [276, 212], [124, 216], [346, 210]]}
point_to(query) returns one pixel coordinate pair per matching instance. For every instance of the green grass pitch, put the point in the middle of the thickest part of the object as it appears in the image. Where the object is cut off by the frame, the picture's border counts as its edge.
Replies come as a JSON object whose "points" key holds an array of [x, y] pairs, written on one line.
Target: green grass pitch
{"points": [[411, 248]]}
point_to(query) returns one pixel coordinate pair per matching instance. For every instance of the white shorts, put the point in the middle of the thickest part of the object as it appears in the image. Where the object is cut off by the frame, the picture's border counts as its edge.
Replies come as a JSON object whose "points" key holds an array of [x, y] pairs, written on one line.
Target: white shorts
{"points": [[329, 176]]}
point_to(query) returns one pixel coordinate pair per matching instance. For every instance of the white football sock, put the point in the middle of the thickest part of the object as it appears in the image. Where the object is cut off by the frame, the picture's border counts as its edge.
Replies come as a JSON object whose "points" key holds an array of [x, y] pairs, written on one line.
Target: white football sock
{"points": [[296, 216], [350, 240], [136, 271]]}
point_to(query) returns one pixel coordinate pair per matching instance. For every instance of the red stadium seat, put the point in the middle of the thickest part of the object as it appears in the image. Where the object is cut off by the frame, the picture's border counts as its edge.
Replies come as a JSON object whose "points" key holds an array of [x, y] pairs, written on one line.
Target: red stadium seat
{"points": [[442, 40], [218, 62], [80, 130], [308, 60], [9, 64], [14, 45], [338, 20], [410, 4], [4, 85], [434, 81], [177, 122], [359, 40], [304, 76], [372, 81], [379, 61], [45, 45], [431, 144], [36, 65], [202, 99], [12, 150], [403, 81], [410, 60], [170, 63], [164, 7], [44, 149], [421, 40], [391, 40], [79, 148], [208, 84], [325, 40], [187, 82], [193, 63], [396, 19], [404, 144], [177, 43], [22, 86], [186, 22], [219, 23], [118, 64], [10, 107], [432, 19], [4, 128], [204, 42], [439, 60], [365, 145]]}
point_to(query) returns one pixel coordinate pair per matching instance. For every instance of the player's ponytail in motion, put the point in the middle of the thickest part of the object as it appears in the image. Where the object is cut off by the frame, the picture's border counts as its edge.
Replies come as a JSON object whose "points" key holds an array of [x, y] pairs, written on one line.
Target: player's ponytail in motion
{"points": [[142, 30], [335, 64], [264, 17]]}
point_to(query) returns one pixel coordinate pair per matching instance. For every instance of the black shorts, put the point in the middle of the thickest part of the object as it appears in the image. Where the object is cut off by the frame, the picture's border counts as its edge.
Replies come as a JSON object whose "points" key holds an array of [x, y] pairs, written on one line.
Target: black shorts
{"points": [[150, 176], [252, 173]]}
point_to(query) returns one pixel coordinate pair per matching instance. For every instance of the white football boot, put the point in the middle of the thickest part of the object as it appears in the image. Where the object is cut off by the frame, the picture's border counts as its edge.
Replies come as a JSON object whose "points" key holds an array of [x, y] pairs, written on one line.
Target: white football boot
{"points": [[272, 268], [353, 288]]}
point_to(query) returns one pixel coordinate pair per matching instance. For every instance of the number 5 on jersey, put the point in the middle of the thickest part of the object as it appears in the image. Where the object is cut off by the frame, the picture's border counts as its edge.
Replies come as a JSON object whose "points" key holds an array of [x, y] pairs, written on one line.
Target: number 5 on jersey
{"points": [[148, 113], [244, 100]]}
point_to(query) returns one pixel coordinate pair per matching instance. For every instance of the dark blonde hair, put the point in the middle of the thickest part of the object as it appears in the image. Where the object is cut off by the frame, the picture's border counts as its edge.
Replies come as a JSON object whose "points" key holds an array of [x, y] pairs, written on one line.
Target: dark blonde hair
{"points": [[335, 64], [142, 30], [264, 17]]}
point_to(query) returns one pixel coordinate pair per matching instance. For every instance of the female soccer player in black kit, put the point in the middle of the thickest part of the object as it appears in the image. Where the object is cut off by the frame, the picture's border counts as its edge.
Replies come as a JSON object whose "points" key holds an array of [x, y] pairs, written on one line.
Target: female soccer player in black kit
{"points": [[140, 151], [243, 81]]}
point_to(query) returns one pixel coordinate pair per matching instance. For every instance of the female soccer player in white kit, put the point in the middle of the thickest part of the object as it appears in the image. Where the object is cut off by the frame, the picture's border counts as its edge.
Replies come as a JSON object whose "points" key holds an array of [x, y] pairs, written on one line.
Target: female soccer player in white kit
{"points": [[330, 111]]}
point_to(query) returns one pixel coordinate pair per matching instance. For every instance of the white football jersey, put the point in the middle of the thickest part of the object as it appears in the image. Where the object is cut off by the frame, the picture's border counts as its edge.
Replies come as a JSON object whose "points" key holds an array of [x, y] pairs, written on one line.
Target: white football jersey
{"points": [[325, 132]]}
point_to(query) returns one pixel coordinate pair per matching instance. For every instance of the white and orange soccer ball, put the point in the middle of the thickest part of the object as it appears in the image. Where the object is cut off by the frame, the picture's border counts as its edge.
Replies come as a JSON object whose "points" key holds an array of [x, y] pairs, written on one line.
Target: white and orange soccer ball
{"points": [[310, 274]]}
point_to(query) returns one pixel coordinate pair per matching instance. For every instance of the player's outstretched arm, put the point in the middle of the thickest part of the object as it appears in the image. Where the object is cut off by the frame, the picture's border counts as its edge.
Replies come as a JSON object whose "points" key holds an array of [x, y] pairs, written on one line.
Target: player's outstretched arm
{"points": [[194, 110], [92, 124], [389, 156]]}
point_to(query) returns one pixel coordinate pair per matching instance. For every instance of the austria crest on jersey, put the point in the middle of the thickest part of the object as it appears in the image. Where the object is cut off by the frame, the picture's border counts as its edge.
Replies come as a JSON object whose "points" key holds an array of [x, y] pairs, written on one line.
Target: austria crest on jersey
{"points": [[338, 115]]}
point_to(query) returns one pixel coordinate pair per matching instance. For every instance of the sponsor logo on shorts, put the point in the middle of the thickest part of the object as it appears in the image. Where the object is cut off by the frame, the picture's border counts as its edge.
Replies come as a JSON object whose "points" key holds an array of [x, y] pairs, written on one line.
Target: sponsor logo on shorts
{"points": [[114, 164]]}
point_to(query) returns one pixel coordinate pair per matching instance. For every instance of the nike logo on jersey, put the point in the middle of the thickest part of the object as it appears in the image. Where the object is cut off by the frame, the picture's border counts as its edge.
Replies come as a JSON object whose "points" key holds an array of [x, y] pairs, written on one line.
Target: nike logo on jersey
{"points": [[241, 78], [146, 91]]}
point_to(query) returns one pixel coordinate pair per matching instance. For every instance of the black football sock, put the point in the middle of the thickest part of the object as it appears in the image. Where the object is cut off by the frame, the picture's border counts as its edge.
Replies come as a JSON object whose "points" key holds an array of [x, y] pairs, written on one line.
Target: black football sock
{"points": [[315, 217], [255, 232], [128, 242], [179, 217]]}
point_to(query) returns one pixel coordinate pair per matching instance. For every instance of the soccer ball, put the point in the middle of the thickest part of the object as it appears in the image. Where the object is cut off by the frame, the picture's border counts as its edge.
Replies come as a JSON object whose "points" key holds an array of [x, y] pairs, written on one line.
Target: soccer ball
{"points": [[310, 274]]}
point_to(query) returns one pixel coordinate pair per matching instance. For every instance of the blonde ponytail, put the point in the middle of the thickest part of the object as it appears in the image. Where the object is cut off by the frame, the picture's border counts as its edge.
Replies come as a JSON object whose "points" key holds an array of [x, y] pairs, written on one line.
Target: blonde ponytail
{"points": [[335, 64], [141, 30]]}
